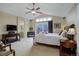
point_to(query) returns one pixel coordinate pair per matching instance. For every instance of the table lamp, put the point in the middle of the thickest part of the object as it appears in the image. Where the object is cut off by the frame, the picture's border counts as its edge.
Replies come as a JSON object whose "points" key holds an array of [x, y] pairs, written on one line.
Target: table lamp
{"points": [[71, 33]]}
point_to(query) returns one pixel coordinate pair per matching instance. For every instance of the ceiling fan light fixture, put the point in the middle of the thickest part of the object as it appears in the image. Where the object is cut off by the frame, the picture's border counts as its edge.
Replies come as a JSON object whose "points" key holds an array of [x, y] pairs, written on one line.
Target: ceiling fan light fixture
{"points": [[33, 12]]}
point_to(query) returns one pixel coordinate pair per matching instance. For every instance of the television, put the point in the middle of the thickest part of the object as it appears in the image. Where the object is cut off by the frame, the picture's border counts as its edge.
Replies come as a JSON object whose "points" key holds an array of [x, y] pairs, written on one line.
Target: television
{"points": [[11, 27]]}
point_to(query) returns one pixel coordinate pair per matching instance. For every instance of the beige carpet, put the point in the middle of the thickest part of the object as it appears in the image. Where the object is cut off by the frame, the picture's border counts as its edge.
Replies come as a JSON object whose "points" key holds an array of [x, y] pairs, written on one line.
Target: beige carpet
{"points": [[42, 50], [25, 47]]}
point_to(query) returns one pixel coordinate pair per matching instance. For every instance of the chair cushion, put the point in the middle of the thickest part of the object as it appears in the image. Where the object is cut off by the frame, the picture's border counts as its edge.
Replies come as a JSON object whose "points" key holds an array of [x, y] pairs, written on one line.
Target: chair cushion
{"points": [[2, 49], [5, 53]]}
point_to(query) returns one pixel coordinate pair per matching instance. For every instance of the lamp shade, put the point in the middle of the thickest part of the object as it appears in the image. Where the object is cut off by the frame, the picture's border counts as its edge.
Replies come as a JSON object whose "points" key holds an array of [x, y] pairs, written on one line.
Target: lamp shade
{"points": [[71, 31]]}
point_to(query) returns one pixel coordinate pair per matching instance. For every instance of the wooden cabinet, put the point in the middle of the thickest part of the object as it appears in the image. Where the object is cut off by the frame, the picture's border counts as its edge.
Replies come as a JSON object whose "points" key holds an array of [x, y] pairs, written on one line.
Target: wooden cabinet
{"points": [[9, 38], [68, 48]]}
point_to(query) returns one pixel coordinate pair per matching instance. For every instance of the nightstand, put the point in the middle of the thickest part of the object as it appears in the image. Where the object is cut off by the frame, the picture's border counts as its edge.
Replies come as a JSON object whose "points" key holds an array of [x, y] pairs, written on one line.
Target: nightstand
{"points": [[68, 48]]}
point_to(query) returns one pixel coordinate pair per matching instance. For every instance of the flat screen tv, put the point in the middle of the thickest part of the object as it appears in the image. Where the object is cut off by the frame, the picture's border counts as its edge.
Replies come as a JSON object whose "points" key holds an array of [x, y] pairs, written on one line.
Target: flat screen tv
{"points": [[11, 27]]}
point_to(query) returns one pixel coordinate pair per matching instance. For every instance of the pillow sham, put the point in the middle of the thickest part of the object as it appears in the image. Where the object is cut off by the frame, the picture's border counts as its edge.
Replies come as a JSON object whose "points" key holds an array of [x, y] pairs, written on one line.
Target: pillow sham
{"points": [[60, 32], [64, 33]]}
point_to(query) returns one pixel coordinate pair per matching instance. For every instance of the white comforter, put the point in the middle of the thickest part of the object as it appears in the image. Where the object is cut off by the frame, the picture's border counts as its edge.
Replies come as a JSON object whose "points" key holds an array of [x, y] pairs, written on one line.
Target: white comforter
{"points": [[52, 39]]}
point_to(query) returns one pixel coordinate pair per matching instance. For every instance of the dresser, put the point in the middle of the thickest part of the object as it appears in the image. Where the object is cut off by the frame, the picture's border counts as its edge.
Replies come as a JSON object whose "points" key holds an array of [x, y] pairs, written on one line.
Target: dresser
{"points": [[9, 38], [68, 48]]}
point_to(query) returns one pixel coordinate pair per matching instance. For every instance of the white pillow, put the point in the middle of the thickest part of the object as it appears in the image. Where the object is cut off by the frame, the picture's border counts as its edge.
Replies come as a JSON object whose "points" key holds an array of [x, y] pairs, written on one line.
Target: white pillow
{"points": [[63, 33]]}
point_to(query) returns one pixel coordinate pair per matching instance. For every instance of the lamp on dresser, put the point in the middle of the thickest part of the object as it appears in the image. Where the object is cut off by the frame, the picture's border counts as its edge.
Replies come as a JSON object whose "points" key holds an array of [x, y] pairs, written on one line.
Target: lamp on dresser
{"points": [[68, 47], [71, 33]]}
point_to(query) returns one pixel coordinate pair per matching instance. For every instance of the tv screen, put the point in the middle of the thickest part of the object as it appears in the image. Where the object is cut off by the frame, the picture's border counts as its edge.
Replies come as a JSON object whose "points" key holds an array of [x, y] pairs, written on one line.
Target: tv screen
{"points": [[11, 27]]}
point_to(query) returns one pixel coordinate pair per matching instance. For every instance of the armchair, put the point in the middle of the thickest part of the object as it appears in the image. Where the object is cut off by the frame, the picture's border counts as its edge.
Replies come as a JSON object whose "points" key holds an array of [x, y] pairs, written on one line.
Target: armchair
{"points": [[7, 51]]}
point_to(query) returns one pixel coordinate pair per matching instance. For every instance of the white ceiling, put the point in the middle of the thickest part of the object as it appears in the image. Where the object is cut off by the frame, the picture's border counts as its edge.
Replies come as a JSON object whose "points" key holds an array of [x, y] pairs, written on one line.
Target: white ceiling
{"points": [[54, 9]]}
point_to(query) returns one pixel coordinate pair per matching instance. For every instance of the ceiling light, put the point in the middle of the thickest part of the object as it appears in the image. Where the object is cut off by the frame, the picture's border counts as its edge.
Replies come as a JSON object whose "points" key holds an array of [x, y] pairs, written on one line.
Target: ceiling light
{"points": [[49, 19], [44, 19], [33, 12], [37, 20], [41, 20]]}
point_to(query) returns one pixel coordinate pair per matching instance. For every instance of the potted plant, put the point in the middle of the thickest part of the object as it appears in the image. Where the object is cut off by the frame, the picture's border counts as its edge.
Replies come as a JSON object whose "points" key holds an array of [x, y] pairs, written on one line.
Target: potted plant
{"points": [[31, 28]]}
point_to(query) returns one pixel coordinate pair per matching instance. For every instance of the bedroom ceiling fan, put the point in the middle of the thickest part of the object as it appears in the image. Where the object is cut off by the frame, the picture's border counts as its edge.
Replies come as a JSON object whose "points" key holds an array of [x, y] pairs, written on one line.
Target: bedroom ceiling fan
{"points": [[34, 10]]}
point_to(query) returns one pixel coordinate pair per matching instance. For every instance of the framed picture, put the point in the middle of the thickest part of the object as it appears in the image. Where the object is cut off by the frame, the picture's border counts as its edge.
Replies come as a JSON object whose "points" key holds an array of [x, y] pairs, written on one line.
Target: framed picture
{"points": [[57, 25]]}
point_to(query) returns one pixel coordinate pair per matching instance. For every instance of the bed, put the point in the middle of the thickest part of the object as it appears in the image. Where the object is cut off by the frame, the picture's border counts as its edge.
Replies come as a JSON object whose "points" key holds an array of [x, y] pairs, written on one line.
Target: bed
{"points": [[50, 38]]}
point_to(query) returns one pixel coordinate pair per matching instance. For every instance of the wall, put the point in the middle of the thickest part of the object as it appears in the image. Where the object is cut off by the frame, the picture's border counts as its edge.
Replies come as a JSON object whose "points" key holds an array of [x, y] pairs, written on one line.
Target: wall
{"points": [[72, 16], [32, 24], [60, 20], [20, 23], [5, 19], [77, 23], [23, 26], [26, 27], [55, 19]]}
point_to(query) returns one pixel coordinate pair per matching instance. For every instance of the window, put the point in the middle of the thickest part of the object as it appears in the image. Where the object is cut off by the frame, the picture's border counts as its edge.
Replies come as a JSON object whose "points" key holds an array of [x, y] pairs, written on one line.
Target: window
{"points": [[42, 25]]}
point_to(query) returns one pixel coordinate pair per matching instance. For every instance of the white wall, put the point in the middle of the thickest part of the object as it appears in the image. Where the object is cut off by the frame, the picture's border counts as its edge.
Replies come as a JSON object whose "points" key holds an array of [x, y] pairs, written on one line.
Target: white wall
{"points": [[23, 26], [20, 23], [72, 16], [77, 22], [26, 25], [60, 20], [55, 19], [5, 19]]}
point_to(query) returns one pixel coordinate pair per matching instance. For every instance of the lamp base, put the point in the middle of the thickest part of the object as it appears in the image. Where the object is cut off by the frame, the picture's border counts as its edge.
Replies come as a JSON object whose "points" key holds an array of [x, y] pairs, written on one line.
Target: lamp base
{"points": [[70, 37]]}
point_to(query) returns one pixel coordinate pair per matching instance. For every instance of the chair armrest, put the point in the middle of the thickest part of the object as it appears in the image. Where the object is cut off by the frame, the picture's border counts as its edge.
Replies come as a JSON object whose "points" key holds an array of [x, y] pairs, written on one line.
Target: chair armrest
{"points": [[8, 45]]}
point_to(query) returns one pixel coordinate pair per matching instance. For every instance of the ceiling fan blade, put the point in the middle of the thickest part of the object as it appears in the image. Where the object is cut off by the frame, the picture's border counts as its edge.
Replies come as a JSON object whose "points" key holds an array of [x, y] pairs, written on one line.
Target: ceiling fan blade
{"points": [[28, 8], [38, 8], [27, 12], [39, 12]]}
